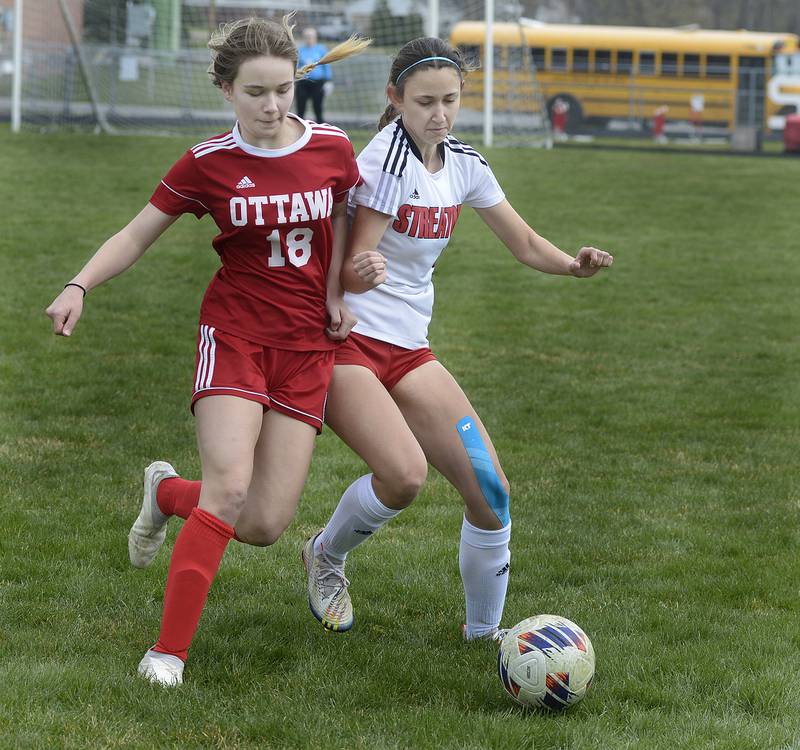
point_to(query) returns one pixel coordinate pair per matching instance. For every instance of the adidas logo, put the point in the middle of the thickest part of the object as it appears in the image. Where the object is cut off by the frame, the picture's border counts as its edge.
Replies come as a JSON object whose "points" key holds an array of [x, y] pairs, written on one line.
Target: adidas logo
{"points": [[414, 196], [245, 182], [503, 570], [363, 532]]}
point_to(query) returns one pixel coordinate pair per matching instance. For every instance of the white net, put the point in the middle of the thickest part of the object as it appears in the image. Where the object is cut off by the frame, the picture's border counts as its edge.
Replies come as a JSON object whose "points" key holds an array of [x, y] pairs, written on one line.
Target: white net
{"points": [[139, 65]]}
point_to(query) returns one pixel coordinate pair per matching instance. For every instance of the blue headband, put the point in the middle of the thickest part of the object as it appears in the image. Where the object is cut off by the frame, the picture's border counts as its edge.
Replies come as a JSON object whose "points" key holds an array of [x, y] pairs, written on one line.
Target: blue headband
{"points": [[426, 59]]}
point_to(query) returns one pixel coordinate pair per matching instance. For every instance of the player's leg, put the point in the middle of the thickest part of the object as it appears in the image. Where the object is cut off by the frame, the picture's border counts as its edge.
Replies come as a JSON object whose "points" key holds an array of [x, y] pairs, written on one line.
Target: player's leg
{"points": [[435, 409], [301, 379], [150, 527], [301, 97], [224, 364], [318, 98], [228, 429], [175, 495], [363, 414], [166, 494], [280, 468]]}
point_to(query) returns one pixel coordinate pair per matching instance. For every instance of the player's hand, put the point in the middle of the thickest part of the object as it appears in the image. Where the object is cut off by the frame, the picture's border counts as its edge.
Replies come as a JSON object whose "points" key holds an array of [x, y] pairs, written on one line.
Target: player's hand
{"points": [[589, 261], [65, 311], [342, 320], [370, 267]]}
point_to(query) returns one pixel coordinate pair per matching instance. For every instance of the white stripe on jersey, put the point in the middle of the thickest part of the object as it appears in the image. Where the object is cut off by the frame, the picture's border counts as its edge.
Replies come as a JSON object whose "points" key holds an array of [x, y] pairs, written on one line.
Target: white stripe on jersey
{"points": [[224, 145], [315, 131], [385, 193], [325, 129], [185, 196], [211, 141]]}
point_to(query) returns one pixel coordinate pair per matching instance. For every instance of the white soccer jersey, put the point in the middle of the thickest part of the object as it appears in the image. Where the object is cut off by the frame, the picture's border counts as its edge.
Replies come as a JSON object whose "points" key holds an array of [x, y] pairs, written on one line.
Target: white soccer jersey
{"points": [[425, 208]]}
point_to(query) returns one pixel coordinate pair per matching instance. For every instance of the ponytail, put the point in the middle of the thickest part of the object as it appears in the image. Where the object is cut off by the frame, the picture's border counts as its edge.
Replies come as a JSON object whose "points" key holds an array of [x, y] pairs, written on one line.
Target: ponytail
{"points": [[352, 46], [389, 114]]}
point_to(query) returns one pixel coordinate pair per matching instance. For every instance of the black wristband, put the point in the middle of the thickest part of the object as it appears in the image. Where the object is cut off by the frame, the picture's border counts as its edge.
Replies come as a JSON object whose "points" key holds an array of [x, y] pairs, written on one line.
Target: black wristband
{"points": [[72, 283]]}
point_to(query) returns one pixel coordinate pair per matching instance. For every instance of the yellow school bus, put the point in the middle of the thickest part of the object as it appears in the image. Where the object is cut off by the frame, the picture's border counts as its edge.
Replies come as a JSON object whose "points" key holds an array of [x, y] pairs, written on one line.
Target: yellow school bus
{"points": [[605, 72]]}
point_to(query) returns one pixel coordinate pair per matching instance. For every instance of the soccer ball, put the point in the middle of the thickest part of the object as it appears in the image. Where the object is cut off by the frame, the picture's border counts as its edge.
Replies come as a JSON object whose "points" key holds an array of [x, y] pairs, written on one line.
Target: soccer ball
{"points": [[546, 662]]}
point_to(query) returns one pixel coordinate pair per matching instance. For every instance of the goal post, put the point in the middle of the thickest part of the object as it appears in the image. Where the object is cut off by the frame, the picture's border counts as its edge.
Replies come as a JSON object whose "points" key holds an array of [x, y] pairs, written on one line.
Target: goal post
{"points": [[16, 87]]}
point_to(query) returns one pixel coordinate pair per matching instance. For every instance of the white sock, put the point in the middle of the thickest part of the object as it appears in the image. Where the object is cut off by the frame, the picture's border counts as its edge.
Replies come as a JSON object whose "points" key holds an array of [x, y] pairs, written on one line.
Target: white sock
{"points": [[359, 514], [484, 561]]}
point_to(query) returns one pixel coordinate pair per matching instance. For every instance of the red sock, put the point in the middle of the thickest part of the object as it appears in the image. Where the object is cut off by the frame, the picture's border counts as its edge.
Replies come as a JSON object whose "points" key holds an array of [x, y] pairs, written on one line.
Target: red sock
{"points": [[177, 497], [195, 560]]}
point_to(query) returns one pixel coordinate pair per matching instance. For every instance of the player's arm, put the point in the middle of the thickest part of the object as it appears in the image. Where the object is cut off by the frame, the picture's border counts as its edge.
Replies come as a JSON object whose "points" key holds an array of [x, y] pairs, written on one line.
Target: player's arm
{"points": [[364, 267], [341, 319], [115, 255], [534, 250]]}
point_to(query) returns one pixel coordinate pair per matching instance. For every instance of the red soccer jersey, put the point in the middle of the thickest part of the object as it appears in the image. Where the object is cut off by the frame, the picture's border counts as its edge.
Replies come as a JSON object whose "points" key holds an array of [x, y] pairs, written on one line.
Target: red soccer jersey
{"points": [[273, 209]]}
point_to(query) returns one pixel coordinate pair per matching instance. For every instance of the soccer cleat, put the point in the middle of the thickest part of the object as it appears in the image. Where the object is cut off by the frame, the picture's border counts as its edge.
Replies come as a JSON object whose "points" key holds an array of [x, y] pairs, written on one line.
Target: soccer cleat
{"points": [[328, 598], [161, 669], [150, 527], [495, 635]]}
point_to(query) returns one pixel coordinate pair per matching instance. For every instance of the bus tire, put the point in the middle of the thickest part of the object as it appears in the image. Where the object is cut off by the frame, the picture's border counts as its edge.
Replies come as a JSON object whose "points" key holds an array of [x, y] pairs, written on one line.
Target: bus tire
{"points": [[574, 115]]}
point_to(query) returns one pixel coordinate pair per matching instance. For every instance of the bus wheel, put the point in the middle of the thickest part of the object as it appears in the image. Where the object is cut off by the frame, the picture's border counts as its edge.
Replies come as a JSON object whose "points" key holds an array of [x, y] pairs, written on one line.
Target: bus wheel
{"points": [[574, 113]]}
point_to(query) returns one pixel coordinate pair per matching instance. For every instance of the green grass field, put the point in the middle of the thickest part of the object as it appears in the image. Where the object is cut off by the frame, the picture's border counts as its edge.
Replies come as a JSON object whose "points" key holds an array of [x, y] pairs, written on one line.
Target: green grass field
{"points": [[648, 420]]}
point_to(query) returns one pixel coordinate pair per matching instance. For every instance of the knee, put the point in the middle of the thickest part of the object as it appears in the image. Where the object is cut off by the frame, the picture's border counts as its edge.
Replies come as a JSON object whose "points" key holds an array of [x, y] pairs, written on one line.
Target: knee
{"points": [[262, 529], [227, 496], [262, 535], [406, 480]]}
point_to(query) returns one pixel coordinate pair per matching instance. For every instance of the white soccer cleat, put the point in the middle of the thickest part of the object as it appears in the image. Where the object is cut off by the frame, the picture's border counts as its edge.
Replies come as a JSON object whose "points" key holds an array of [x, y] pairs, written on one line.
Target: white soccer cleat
{"points": [[150, 527], [495, 635], [161, 669], [328, 598]]}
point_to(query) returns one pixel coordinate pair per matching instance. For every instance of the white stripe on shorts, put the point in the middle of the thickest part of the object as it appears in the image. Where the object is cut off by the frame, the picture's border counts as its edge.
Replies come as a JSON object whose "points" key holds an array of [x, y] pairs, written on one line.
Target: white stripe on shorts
{"points": [[298, 411], [205, 367], [212, 359], [201, 359]]}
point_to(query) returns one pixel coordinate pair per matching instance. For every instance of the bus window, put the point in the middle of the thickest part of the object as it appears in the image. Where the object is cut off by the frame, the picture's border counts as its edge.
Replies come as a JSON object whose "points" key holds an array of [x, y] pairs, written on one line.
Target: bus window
{"points": [[580, 60], [718, 66], [691, 65], [669, 63], [602, 61], [516, 61], [647, 63], [624, 61], [537, 57], [498, 56], [558, 59]]}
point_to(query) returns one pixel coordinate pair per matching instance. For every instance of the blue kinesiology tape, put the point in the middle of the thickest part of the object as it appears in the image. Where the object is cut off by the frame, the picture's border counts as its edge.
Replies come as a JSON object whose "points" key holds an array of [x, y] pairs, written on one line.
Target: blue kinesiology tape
{"points": [[483, 466]]}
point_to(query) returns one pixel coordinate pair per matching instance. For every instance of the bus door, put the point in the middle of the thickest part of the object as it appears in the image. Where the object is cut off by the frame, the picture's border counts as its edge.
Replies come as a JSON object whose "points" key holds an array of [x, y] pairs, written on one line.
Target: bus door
{"points": [[750, 88]]}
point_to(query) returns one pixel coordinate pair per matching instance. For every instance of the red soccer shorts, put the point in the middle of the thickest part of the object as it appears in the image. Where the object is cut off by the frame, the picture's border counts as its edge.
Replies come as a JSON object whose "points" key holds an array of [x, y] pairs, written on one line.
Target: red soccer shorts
{"points": [[389, 362], [293, 383]]}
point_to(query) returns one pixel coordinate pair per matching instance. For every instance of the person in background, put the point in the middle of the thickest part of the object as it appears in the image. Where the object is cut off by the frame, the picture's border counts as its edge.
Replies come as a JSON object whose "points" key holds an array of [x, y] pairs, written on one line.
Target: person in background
{"points": [[660, 123], [317, 84]]}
